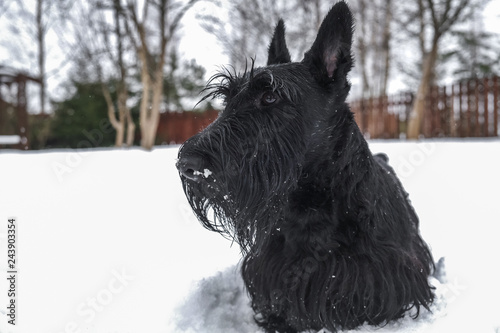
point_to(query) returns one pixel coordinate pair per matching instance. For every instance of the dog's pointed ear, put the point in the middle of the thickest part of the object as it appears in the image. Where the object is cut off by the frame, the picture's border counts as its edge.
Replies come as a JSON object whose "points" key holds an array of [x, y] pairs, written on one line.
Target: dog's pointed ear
{"points": [[278, 52], [330, 55]]}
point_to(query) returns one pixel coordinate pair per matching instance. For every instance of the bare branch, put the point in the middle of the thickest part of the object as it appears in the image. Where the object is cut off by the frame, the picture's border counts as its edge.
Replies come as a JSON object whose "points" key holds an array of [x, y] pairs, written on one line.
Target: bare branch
{"points": [[179, 16], [4, 6], [421, 35], [435, 21], [455, 16], [142, 48]]}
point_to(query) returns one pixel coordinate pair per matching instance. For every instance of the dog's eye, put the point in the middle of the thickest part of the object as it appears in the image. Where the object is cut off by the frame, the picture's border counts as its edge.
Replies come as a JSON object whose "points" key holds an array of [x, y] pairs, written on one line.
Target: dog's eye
{"points": [[268, 98]]}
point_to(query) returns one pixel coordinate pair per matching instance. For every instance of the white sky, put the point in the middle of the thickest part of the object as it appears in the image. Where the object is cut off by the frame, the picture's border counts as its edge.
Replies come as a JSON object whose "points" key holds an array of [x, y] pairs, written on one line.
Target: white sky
{"points": [[195, 43]]}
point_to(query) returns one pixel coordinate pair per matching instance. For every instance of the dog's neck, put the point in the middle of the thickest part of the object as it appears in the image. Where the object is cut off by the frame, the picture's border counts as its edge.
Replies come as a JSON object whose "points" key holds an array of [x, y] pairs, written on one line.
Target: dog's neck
{"points": [[333, 168], [334, 145]]}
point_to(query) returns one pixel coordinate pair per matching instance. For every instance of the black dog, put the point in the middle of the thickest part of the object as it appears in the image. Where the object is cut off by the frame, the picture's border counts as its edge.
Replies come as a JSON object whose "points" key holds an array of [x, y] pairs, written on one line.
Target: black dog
{"points": [[329, 237]]}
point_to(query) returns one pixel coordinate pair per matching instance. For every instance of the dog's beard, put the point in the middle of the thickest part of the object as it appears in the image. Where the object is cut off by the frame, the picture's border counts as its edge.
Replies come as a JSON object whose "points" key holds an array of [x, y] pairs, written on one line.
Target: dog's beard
{"points": [[245, 200], [210, 203], [250, 172]]}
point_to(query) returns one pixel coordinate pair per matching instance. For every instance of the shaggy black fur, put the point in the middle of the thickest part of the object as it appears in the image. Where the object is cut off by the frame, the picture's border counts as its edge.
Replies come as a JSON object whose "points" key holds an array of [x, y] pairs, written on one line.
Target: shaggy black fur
{"points": [[329, 237]]}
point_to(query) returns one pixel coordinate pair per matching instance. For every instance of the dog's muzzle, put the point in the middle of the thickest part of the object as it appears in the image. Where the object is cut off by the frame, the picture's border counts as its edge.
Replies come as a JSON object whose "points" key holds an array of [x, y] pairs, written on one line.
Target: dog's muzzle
{"points": [[193, 167]]}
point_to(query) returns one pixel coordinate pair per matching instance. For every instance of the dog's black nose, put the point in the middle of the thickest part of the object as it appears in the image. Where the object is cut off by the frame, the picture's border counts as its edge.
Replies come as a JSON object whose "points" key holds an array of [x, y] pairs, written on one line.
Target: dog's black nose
{"points": [[192, 167]]}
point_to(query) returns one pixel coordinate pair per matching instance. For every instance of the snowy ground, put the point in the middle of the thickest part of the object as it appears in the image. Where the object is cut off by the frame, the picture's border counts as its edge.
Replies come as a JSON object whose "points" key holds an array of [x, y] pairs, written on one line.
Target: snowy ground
{"points": [[107, 242]]}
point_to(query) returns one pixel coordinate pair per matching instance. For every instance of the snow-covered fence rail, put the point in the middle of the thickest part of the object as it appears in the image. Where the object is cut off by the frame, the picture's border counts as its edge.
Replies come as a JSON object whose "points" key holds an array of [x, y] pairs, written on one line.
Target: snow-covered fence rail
{"points": [[469, 108]]}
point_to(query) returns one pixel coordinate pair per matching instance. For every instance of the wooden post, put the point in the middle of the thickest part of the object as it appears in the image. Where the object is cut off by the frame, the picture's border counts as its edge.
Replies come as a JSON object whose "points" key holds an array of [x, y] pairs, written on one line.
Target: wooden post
{"points": [[439, 116], [363, 115], [434, 128], [2, 108], [432, 110], [452, 124], [495, 106], [469, 108], [22, 113], [385, 115], [461, 119], [382, 116], [409, 104], [446, 111], [371, 123], [476, 108], [485, 102]]}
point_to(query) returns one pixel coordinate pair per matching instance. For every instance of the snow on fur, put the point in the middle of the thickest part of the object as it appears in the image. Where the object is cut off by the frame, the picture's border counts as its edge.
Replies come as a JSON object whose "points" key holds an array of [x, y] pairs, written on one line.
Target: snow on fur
{"points": [[220, 304]]}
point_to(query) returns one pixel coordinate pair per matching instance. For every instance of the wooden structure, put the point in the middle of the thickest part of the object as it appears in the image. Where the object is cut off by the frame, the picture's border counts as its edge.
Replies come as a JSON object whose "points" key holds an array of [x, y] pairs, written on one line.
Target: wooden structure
{"points": [[177, 127], [13, 79], [468, 108]]}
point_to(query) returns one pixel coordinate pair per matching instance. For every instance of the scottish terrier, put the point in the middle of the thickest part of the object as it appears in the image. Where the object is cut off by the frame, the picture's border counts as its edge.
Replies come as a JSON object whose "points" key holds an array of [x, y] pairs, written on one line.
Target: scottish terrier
{"points": [[328, 234]]}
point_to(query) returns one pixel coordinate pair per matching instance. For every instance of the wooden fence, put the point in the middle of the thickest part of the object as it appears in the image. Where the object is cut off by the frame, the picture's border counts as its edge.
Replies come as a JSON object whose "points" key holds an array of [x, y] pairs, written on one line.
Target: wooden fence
{"points": [[466, 109], [177, 127]]}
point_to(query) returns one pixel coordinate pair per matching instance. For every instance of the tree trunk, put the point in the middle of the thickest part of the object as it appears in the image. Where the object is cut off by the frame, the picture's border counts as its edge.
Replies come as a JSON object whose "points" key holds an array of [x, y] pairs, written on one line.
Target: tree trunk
{"points": [[118, 124], [362, 41], [122, 89], [374, 43], [151, 113], [386, 48], [144, 106], [125, 116], [130, 129], [152, 64], [122, 103], [417, 112], [150, 105], [41, 52]]}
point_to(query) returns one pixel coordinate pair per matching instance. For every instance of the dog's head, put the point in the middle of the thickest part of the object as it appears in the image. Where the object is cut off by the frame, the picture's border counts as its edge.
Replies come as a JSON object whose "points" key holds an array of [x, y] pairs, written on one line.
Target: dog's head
{"points": [[238, 172]]}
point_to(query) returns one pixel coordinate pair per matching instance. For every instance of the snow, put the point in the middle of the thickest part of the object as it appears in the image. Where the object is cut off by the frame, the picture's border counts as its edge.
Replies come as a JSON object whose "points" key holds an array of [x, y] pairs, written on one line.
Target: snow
{"points": [[108, 243], [9, 139], [205, 174]]}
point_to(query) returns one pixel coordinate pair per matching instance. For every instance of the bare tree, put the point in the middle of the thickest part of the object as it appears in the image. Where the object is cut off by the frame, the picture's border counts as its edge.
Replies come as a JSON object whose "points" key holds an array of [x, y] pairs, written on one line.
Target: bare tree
{"points": [[386, 48], [36, 22], [443, 14], [163, 17], [124, 121], [252, 22], [373, 45], [4, 6], [126, 40], [362, 47], [100, 41], [477, 52], [40, 34]]}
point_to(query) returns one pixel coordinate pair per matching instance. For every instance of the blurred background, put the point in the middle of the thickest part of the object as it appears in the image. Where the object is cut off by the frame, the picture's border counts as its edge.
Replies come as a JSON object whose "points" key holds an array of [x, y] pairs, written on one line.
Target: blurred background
{"points": [[79, 74], [101, 73]]}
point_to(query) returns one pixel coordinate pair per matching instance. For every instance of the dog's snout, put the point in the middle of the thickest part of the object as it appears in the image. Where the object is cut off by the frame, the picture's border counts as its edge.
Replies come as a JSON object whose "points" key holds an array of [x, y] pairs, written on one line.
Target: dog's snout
{"points": [[192, 167]]}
